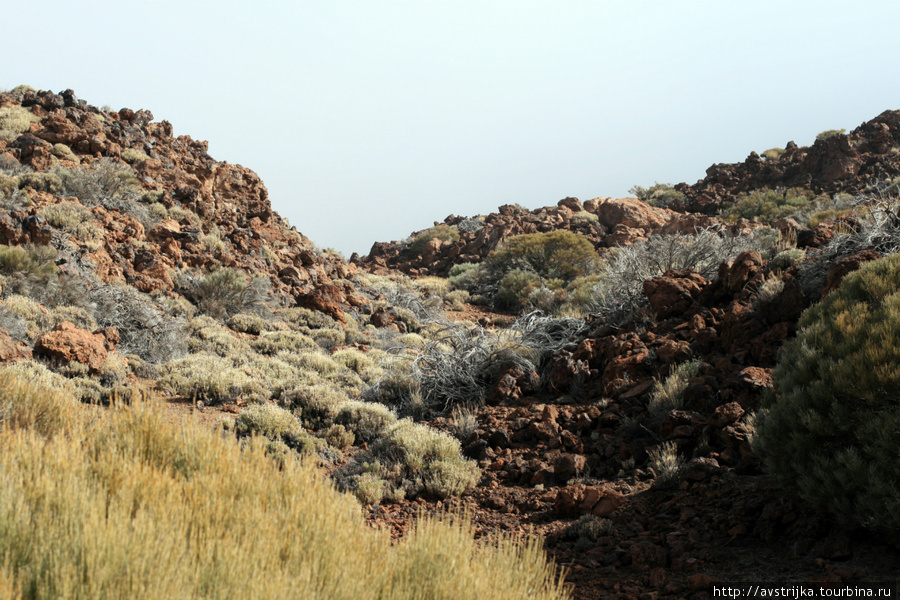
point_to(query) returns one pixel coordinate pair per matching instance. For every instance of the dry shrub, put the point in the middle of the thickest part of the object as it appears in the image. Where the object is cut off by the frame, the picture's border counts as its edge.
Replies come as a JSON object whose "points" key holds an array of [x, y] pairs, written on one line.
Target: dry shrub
{"points": [[619, 295], [131, 506]]}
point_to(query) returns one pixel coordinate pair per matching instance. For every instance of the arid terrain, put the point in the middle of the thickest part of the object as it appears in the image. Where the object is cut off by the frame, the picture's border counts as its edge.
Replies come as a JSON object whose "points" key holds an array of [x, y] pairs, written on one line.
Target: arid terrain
{"points": [[594, 368]]}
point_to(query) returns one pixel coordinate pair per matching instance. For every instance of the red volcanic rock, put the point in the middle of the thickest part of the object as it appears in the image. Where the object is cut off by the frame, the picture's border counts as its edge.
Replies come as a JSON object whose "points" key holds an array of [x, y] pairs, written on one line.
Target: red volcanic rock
{"points": [[756, 378], [846, 265], [734, 274], [564, 371], [629, 212], [326, 299], [573, 204], [726, 414], [671, 351], [65, 343], [576, 500], [11, 350], [674, 292]]}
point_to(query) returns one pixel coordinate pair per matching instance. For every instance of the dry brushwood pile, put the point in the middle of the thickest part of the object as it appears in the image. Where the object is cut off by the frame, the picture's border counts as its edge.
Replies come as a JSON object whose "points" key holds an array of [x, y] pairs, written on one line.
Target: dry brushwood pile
{"points": [[596, 391]]}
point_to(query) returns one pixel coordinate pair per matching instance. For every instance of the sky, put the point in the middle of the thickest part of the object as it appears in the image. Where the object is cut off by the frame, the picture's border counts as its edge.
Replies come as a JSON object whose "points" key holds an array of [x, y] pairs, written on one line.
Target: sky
{"points": [[368, 120]]}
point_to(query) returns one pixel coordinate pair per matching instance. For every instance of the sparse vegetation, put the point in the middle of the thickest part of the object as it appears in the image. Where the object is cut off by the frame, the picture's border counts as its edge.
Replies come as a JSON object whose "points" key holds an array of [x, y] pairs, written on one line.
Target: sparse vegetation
{"points": [[767, 206], [619, 295], [658, 194], [226, 292], [830, 133], [15, 120], [667, 394], [445, 233], [667, 464], [773, 153], [133, 155], [98, 183]]}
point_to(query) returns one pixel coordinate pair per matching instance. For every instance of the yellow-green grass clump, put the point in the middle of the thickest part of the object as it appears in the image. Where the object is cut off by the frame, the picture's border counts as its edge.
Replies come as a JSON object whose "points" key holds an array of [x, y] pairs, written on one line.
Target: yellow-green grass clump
{"points": [[128, 505]]}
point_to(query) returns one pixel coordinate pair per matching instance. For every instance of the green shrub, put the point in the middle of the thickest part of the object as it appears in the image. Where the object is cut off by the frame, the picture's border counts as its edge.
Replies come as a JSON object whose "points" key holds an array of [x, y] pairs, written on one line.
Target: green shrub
{"points": [[275, 375], [773, 153], [210, 378], [358, 362], [829, 133], [515, 287], [28, 261], [367, 420], [328, 338], [133, 155], [787, 258], [337, 436], [66, 215], [457, 299], [40, 182], [319, 404], [63, 152], [185, 216], [446, 233], [26, 316], [432, 285], [249, 323], [273, 342], [584, 217], [658, 194], [370, 488], [267, 420], [830, 428], [15, 120], [213, 243], [464, 276], [208, 335], [767, 206], [429, 455], [559, 254], [312, 319]]}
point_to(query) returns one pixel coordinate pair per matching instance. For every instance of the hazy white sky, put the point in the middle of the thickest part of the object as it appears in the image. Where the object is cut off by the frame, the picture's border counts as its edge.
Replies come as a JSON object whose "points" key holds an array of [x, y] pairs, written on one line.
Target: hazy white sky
{"points": [[368, 120]]}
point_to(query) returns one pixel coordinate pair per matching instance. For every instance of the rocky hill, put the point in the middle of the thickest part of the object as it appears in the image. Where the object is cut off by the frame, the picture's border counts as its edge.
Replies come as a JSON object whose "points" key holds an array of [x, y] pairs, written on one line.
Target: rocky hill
{"points": [[837, 163], [193, 196]]}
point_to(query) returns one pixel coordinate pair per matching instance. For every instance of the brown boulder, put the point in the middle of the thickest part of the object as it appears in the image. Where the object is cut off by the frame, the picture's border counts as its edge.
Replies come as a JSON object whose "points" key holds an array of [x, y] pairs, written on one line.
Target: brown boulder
{"points": [[65, 343], [576, 500], [11, 350], [629, 212], [671, 351], [674, 292], [846, 265], [726, 414], [734, 274], [573, 204], [326, 299]]}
